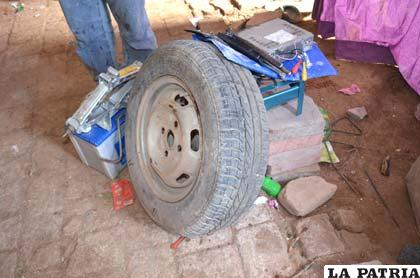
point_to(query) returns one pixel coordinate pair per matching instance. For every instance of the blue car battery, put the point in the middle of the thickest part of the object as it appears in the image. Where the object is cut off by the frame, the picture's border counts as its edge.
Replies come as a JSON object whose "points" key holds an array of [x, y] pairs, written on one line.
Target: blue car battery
{"points": [[101, 149]]}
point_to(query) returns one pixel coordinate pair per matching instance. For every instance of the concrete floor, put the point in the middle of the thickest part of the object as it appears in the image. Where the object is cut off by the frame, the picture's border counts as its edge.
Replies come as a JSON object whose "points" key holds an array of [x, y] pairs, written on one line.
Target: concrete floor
{"points": [[56, 217]]}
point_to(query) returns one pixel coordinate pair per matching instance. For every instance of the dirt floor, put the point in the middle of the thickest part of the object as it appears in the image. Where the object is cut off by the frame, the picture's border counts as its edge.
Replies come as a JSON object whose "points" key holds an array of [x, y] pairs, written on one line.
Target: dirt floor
{"points": [[56, 217], [390, 129]]}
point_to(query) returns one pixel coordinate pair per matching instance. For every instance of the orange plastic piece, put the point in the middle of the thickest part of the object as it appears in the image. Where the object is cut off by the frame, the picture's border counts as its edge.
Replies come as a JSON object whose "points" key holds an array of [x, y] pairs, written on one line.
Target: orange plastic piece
{"points": [[176, 243], [122, 193], [296, 67]]}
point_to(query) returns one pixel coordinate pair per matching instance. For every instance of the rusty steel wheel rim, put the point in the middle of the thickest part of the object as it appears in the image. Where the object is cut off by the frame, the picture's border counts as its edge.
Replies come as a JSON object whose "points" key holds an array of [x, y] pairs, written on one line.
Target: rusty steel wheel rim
{"points": [[169, 142]]}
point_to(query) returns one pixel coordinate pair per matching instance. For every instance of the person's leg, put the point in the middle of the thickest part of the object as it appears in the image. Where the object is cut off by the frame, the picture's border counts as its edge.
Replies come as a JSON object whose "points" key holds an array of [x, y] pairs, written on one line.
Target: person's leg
{"points": [[90, 23], [138, 38]]}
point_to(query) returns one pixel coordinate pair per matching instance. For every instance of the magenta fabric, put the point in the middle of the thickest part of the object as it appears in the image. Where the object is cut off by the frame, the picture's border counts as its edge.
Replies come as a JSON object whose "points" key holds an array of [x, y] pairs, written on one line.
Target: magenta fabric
{"points": [[392, 24], [363, 51]]}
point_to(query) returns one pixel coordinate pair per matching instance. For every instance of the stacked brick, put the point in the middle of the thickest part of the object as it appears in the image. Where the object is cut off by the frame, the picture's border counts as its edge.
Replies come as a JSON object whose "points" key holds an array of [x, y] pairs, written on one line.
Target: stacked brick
{"points": [[295, 141]]}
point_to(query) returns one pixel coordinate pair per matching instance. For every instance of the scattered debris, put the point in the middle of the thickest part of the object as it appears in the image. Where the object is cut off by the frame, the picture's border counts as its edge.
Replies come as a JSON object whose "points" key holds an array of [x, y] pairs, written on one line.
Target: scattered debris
{"points": [[295, 240], [15, 148], [354, 89], [273, 204], [351, 184], [328, 155], [357, 113], [417, 113], [261, 200], [18, 6], [292, 14], [271, 187], [409, 255], [302, 196], [358, 131], [311, 269], [194, 21], [257, 214], [174, 245], [105, 196], [122, 194], [413, 188], [330, 152], [320, 238], [346, 219], [386, 166], [381, 198], [327, 125]]}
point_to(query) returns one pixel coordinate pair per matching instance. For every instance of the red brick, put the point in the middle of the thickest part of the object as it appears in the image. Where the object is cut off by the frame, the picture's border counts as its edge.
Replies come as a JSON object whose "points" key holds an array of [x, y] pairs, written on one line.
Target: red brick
{"points": [[290, 160], [237, 25], [263, 16], [212, 25], [295, 143], [177, 25], [225, 6]]}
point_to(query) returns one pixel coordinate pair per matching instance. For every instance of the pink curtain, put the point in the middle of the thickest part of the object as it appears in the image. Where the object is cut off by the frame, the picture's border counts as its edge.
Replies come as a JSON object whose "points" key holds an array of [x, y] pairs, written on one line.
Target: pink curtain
{"points": [[391, 23]]}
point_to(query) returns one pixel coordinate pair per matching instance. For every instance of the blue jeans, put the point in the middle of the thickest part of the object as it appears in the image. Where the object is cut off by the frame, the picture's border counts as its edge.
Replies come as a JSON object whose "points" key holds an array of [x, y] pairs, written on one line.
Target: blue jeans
{"points": [[90, 23]]}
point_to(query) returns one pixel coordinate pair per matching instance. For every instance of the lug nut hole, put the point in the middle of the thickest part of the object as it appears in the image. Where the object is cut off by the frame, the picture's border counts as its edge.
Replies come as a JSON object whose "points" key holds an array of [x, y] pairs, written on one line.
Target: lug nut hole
{"points": [[170, 138], [182, 178]]}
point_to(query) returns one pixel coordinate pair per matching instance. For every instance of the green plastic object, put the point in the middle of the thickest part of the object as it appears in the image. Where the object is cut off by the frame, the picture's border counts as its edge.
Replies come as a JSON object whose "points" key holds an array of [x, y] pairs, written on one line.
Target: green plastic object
{"points": [[271, 187]]}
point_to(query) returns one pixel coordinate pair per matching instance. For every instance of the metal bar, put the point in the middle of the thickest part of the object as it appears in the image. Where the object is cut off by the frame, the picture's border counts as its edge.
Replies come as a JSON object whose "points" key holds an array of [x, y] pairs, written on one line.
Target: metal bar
{"points": [[381, 198], [281, 97]]}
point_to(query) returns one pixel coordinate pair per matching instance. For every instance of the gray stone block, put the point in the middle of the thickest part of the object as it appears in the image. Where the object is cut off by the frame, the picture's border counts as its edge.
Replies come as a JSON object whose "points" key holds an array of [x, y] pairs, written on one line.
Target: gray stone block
{"points": [[157, 261], [356, 243], [257, 214], [46, 256], [284, 124], [307, 171], [220, 262], [295, 159], [346, 219], [8, 262], [9, 233], [302, 196], [311, 270], [218, 238], [264, 251], [318, 237], [357, 113]]}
